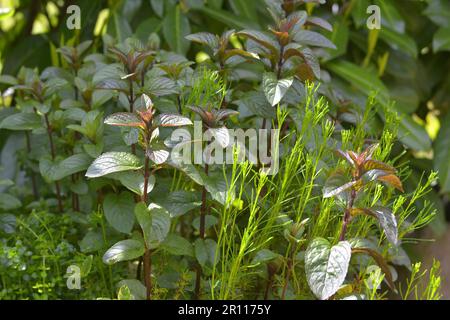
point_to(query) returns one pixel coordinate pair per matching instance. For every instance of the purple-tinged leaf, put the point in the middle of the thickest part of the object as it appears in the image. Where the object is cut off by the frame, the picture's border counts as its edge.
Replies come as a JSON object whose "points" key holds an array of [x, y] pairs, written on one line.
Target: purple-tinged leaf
{"points": [[171, 120], [124, 119]]}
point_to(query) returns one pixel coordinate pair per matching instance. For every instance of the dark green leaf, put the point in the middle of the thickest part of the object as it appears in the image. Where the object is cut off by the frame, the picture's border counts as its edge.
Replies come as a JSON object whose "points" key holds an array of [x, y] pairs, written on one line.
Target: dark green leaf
{"points": [[315, 39], [21, 121], [119, 211], [441, 40], [9, 202], [442, 154], [177, 245], [124, 250], [175, 28], [7, 223]]}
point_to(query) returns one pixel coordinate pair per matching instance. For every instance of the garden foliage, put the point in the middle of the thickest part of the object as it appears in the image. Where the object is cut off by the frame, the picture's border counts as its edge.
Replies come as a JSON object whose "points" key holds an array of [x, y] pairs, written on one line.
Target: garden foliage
{"points": [[92, 176]]}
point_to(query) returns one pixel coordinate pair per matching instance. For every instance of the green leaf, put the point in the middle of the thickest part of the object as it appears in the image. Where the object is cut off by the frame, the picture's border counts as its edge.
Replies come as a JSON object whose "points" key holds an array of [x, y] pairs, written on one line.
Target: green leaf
{"points": [[326, 267], [221, 135], [175, 28], [315, 39], [255, 103], [247, 9], [113, 162], [359, 12], [264, 255], [381, 263], [119, 27], [205, 251], [262, 39], [171, 120], [388, 223], [124, 119], [9, 202], [227, 18], [7, 223], [7, 79], [124, 293], [335, 185], [119, 211], [441, 40], [413, 134], [442, 154], [144, 219], [155, 223], [158, 156], [160, 86], [86, 265], [108, 72], [216, 185], [439, 12], [312, 61], [92, 241], [275, 89], [205, 38], [134, 181], [410, 133], [21, 121], [135, 287], [178, 203], [158, 7], [359, 77], [390, 17], [210, 221], [398, 41], [177, 245], [57, 171], [124, 250]]}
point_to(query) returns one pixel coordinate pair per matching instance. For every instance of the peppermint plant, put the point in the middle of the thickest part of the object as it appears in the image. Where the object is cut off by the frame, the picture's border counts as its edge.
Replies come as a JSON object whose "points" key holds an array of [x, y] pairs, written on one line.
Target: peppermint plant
{"points": [[154, 220], [326, 265]]}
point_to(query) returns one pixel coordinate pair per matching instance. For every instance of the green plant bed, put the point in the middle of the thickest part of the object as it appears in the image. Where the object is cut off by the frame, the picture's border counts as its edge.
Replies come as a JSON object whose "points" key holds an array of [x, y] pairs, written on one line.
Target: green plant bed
{"points": [[133, 172]]}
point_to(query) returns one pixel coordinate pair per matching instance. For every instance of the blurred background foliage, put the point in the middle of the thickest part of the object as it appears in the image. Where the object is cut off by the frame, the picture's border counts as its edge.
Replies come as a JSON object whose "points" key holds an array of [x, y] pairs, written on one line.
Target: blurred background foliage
{"points": [[407, 61]]}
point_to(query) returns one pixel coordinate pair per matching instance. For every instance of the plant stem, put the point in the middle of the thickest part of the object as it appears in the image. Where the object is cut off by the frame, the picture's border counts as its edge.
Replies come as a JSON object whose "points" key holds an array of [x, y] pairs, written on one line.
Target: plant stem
{"points": [[268, 287], [180, 111], [131, 101], [198, 278], [203, 211], [33, 177], [139, 269], [75, 198], [53, 154], [147, 253], [290, 264], [280, 63], [148, 272], [347, 215], [204, 208]]}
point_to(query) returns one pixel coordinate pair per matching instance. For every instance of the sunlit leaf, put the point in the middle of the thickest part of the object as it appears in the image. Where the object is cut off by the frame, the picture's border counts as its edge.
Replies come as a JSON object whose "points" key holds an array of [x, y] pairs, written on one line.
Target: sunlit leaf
{"points": [[275, 89], [124, 250], [124, 119], [326, 266], [113, 162]]}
